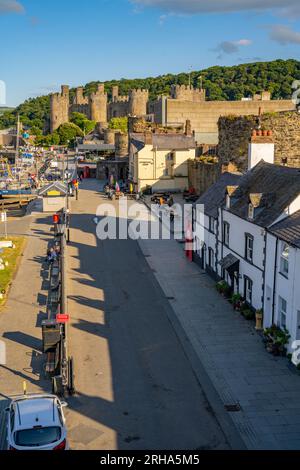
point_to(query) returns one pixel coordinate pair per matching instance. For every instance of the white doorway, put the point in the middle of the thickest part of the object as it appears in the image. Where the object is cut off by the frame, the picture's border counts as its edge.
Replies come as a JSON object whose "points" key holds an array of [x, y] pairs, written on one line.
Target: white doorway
{"points": [[268, 306]]}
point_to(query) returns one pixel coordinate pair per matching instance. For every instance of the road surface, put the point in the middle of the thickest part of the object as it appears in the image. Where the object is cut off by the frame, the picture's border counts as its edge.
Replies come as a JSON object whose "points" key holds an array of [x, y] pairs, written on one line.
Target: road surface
{"points": [[135, 387]]}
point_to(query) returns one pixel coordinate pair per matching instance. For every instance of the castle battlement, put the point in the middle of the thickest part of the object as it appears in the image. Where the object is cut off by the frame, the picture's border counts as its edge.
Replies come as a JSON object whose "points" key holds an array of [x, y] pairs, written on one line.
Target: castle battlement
{"points": [[139, 92], [120, 99], [79, 98], [187, 93]]}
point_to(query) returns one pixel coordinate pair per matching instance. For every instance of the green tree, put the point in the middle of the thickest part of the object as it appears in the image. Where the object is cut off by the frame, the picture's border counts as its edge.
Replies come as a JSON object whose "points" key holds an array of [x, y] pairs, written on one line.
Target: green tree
{"points": [[85, 124], [120, 124], [68, 132]]}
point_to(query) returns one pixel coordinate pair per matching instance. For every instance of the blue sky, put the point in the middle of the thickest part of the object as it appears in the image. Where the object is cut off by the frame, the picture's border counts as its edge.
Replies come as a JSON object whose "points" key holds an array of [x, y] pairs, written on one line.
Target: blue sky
{"points": [[46, 43]]}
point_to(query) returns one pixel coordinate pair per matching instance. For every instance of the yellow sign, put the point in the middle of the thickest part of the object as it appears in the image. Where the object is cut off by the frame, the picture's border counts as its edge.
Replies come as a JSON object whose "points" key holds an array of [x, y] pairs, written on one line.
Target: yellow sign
{"points": [[53, 193]]}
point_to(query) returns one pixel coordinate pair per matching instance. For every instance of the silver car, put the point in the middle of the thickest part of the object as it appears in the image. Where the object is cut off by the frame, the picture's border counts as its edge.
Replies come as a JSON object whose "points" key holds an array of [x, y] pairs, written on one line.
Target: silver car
{"points": [[36, 422]]}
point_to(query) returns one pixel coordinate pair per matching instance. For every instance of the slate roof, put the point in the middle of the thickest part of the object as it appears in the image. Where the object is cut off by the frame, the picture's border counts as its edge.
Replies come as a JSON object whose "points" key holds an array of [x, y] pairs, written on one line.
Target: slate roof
{"points": [[214, 197], [279, 186], [173, 141], [163, 141], [288, 229]]}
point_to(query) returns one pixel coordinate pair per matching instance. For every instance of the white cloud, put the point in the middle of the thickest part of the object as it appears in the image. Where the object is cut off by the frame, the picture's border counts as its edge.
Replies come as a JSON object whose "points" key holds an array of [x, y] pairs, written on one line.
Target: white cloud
{"points": [[11, 6], [289, 7], [284, 35], [231, 47]]}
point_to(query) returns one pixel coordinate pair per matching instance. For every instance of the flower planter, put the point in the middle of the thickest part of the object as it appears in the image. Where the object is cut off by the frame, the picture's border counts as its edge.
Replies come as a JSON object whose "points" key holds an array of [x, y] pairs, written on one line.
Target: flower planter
{"points": [[259, 320]]}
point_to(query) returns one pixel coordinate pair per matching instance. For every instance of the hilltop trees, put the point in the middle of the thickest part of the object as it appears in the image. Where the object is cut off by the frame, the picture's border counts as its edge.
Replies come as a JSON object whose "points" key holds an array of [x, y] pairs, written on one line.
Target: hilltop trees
{"points": [[221, 83]]}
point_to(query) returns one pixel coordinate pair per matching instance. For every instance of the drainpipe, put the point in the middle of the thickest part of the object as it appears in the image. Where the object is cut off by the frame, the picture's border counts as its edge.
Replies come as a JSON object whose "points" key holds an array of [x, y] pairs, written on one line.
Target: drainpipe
{"points": [[274, 285], [221, 236]]}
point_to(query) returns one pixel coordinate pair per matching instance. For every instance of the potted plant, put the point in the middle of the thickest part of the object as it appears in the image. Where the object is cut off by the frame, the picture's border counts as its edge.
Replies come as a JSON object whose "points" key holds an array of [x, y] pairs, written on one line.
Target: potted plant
{"points": [[220, 286], [259, 315], [237, 301], [276, 340]]}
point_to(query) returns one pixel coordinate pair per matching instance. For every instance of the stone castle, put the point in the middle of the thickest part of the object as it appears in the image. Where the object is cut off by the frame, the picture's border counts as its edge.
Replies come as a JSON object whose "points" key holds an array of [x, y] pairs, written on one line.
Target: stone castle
{"points": [[185, 103], [96, 106]]}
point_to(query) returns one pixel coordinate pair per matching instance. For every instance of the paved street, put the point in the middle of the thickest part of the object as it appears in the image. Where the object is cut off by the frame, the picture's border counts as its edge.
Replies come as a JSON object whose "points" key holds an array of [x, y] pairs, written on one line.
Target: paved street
{"points": [[264, 387], [21, 317], [136, 388]]}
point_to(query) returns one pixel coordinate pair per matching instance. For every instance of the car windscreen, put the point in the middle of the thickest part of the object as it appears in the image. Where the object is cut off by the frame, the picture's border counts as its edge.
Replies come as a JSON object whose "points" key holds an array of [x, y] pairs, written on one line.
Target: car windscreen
{"points": [[37, 437]]}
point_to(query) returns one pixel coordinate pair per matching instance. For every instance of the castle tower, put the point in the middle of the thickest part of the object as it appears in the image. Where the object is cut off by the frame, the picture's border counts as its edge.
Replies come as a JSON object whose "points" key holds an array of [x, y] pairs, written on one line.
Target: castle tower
{"points": [[121, 140], [79, 97], [187, 93], [138, 100], [59, 108], [98, 105], [115, 93]]}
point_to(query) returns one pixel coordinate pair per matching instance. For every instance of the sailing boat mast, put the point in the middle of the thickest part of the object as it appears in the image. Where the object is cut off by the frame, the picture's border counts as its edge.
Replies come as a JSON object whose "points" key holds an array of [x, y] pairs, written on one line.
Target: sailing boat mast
{"points": [[18, 141]]}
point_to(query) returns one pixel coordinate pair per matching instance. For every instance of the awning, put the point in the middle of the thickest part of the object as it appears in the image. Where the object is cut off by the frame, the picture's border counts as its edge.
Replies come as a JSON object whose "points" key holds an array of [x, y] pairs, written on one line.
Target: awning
{"points": [[230, 263]]}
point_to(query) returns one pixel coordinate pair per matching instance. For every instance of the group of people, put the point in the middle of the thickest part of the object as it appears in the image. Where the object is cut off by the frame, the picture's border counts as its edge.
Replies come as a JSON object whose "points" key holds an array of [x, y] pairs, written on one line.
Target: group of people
{"points": [[53, 253]]}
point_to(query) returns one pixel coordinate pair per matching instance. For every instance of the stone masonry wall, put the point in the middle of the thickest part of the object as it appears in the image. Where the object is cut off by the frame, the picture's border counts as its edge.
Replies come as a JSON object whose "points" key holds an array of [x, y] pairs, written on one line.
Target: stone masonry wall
{"points": [[204, 116], [203, 174], [235, 133]]}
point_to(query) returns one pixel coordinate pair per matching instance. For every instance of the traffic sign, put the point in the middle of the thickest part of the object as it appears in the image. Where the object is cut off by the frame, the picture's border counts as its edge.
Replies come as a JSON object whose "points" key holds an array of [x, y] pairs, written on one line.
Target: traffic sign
{"points": [[3, 216], [60, 318]]}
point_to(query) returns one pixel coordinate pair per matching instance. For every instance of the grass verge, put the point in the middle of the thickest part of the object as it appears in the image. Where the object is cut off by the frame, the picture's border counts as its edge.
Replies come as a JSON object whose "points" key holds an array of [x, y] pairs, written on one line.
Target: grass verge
{"points": [[11, 256]]}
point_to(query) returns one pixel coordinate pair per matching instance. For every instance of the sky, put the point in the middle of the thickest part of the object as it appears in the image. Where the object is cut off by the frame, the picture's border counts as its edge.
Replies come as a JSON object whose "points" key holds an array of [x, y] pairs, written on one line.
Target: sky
{"points": [[44, 44]]}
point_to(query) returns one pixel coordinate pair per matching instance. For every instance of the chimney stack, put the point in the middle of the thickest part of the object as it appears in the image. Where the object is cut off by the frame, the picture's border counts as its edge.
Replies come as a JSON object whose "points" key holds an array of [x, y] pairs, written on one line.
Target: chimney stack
{"points": [[261, 147]]}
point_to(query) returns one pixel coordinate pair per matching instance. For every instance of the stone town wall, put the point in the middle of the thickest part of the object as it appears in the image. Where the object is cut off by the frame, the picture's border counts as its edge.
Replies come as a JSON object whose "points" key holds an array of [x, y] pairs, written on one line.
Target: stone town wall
{"points": [[118, 108], [204, 116], [203, 174], [235, 133]]}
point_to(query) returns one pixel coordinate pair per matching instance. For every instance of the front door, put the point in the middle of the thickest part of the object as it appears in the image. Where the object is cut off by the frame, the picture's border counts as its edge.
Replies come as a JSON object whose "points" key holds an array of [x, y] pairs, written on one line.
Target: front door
{"points": [[268, 306]]}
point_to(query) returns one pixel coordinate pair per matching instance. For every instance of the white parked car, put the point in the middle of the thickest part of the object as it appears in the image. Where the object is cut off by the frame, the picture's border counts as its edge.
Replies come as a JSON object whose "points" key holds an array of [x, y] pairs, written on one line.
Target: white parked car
{"points": [[36, 422]]}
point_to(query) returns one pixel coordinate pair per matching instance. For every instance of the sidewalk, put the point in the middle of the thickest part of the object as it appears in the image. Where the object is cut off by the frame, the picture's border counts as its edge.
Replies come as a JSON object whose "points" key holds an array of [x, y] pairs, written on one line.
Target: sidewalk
{"points": [[231, 352], [20, 318]]}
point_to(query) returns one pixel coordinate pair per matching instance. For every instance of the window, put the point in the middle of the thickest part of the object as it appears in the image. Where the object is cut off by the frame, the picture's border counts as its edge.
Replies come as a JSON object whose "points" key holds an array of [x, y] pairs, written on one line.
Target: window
{"points": [[250, 212], [212, 225], [284, 259], [211, 258], [249, 242], [282, 312], [248, 290], [226, 231], [12, 419]]}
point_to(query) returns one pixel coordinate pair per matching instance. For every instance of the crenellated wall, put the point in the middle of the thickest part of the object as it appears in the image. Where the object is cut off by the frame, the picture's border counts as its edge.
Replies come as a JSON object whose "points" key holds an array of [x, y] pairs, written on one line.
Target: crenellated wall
{"points": [[187, 93]]}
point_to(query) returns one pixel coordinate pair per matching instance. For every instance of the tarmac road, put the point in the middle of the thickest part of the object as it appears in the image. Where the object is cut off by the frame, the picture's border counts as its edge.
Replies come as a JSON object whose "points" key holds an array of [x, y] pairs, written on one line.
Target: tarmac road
{"points": [[135, 386]]}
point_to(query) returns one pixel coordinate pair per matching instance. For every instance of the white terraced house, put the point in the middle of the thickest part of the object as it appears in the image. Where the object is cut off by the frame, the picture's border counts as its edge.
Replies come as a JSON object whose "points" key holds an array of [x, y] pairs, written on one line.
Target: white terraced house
{"points": [[244, 229]]}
